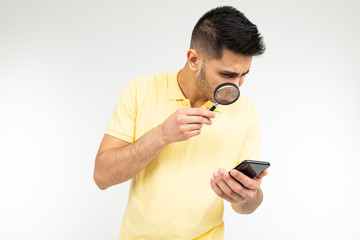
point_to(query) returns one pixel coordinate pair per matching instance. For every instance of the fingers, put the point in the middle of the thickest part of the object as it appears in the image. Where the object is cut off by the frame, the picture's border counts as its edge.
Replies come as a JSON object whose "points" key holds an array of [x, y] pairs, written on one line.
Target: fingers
{"points": [[194, 119], [263, 174], [199, 115], [245, 180], [199, 112], [192, 127], [185, 123], [194, 115], [219, 191], [226, 187]]}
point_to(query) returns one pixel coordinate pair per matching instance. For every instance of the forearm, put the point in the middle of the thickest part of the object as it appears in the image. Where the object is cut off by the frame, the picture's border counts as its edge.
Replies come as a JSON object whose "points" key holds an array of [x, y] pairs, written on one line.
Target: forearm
{"points": [[118, 165], [118, 162], [249, 206]]}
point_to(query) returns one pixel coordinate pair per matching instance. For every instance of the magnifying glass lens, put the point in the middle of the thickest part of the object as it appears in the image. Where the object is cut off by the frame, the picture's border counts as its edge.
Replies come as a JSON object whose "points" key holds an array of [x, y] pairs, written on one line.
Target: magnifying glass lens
{"points": [[225, 94]]}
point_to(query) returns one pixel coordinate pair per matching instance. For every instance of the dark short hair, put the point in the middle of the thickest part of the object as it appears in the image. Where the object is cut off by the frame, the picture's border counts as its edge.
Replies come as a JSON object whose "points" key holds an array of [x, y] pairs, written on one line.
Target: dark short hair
{"points": [[226, 27]]}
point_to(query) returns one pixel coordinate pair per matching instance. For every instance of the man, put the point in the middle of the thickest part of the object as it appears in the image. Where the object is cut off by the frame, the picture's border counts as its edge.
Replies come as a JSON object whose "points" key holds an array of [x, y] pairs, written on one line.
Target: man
{"points": [[163, 137]]}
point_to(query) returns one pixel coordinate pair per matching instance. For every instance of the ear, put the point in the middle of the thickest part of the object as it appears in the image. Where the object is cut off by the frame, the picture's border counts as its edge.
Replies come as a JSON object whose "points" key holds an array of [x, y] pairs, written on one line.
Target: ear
{"points": [[193, 59]]}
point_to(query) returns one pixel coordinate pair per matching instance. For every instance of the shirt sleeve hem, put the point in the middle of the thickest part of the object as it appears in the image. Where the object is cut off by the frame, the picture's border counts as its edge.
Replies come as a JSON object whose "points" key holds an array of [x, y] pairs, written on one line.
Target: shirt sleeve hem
{"points": [[119, 135]]}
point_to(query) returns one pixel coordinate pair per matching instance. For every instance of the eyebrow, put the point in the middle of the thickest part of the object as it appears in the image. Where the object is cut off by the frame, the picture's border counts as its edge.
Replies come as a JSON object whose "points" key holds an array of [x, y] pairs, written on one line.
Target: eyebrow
{"points": [[234, 73], [245, 72]]}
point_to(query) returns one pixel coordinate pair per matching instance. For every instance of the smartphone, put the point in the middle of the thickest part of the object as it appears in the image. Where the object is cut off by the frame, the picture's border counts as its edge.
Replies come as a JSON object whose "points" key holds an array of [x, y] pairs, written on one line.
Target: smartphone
{"points": [[252, 168]]}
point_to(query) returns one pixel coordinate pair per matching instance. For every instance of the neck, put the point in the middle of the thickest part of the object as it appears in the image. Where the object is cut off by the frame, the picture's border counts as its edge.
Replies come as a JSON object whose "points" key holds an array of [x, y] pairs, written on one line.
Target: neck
{"points": [[186, 80]]}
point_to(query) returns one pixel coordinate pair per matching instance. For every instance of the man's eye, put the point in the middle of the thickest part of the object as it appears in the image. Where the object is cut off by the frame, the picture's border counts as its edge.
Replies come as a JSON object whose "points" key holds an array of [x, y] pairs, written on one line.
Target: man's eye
{"points": [[227, 75]]}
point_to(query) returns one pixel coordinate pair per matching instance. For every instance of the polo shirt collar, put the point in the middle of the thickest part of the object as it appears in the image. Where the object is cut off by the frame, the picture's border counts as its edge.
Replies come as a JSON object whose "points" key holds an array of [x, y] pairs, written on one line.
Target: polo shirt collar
{"points": [[175, 93]]}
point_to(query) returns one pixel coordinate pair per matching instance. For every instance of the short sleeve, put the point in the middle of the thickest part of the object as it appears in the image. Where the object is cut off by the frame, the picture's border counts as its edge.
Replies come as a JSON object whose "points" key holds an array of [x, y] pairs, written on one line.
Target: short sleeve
{"points": [[123, 118], [250, 149]]}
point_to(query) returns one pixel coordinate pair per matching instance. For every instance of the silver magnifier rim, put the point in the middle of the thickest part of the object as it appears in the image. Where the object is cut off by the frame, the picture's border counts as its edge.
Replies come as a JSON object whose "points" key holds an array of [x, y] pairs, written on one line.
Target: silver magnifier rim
{"points": [[226, 84]]}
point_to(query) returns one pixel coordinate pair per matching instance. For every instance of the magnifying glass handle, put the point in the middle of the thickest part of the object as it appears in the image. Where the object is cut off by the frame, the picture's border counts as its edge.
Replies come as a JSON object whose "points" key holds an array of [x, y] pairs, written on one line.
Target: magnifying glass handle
{"points": [[213, 107]]}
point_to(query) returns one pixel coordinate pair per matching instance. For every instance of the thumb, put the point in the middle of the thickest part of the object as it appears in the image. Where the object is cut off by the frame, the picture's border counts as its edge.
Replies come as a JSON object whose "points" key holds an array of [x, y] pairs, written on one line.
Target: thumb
{"points": [[263, 174]]}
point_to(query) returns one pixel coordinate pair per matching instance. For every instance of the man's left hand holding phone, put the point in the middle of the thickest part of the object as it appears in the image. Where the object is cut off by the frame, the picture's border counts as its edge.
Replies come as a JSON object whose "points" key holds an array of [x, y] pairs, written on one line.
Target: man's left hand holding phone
{"points": [[244, 195]]}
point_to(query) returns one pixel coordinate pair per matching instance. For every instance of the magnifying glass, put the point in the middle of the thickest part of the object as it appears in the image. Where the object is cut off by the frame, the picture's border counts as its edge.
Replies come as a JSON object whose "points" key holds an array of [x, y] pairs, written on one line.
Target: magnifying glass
{"points": [[225, 94]]}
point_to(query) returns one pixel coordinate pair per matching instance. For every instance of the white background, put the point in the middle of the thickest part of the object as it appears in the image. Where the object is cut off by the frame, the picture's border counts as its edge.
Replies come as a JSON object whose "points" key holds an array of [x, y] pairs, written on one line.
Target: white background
{"points": [[63, 65]]}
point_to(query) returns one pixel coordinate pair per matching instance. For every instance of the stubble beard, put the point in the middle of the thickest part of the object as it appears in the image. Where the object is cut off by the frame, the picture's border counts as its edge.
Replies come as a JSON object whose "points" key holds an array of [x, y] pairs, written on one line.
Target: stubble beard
{"points": [[203, 84]]}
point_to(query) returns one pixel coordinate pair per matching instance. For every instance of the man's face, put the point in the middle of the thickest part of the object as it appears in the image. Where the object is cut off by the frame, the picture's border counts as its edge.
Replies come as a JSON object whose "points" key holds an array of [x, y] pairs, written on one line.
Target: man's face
{"points": [[232, 67]]}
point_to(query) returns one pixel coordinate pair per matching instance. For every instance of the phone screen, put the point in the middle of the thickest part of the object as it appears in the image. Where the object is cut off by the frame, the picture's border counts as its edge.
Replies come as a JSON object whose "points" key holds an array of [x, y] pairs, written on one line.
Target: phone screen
{"points": [[252, 168]]}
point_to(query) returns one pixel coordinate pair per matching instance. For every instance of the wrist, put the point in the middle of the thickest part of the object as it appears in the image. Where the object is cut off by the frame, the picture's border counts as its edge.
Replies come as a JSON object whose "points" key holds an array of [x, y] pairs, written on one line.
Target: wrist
{"points": [[162, 136]]}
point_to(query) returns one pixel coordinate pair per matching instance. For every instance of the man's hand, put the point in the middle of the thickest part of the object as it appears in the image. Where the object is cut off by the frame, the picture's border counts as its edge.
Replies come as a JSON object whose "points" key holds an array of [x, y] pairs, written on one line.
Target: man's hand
{"points": [[118, 161], [245, 197], [185, 123]]}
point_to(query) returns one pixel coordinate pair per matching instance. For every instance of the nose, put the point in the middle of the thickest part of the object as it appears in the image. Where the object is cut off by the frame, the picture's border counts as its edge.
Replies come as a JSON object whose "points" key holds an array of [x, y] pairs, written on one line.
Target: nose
{"points": [[240, 80]]}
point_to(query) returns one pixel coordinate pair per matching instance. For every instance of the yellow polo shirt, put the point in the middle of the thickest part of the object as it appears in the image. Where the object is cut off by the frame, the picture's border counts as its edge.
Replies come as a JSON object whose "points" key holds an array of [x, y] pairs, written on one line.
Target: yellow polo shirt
{"points": [[171, 198]]}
